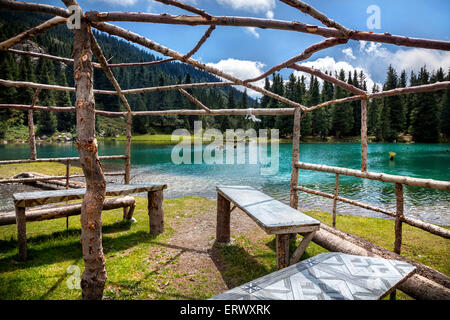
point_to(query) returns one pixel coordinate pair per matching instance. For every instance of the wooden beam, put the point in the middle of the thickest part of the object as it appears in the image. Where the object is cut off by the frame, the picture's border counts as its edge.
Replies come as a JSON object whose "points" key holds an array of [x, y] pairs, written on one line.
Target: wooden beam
{"points": [[425, 183], [200, 42], [133, 37], [31, 135], [306, 8], [293, 199], [34, 7], [363, 135], [195, 100], [33, 32], [328, 43], [95, 16], [335, 198], [94, 275]]}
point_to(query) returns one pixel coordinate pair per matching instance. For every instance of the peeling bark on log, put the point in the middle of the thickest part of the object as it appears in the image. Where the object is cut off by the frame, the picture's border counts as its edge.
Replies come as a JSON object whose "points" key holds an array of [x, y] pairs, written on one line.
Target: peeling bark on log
{"points": [[282, 249], [32, 138], [94, 275]]}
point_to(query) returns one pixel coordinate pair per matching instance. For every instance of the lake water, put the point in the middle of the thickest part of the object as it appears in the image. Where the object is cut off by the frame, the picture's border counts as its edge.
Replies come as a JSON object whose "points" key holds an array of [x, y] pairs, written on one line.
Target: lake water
{"points": [[153, 163]]}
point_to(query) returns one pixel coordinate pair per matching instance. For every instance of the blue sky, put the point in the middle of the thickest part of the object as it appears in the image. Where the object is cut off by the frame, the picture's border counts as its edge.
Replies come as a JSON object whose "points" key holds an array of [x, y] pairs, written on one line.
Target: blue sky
{"points": [[246, 52]]}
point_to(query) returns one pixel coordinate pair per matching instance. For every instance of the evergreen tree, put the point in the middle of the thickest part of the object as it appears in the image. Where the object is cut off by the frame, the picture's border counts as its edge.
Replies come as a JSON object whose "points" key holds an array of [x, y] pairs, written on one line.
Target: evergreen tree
{"points": [[397, 114], [424, 116], [66, 121], [342, 119]]}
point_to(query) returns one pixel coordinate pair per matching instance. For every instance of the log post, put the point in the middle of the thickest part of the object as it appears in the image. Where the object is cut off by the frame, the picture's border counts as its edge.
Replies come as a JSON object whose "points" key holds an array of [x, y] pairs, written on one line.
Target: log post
{"points": [[398, 217], [67, 187], [335, 198], [398, 225], [94, 274], [223, 219], [293, 201], [282, 243], [363, 135], [128, 158], [21, 232], [156, 212], [32, 137]]}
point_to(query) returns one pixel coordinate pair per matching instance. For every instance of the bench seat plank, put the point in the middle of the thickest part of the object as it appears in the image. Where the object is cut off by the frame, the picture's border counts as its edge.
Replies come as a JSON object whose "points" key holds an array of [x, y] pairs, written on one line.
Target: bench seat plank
{"points": [[271, 215], [36, 198], [327, 276]]}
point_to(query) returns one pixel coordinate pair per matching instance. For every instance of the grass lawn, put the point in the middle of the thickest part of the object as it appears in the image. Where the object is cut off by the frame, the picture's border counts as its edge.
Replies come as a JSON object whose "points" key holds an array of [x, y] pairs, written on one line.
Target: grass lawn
{"points": [[135, 271]]}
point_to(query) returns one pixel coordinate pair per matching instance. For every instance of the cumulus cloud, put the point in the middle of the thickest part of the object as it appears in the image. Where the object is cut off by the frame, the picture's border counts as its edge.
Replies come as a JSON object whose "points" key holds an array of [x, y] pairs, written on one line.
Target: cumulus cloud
{"points": [[349, 53], [242, 69], [120, 2], [329, 64], [374, 56], [254, 6]]}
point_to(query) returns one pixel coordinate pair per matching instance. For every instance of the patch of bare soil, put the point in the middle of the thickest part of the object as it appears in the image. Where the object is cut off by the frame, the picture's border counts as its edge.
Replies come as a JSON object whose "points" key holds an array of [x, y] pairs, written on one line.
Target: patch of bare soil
{"points": [[191, 253]]}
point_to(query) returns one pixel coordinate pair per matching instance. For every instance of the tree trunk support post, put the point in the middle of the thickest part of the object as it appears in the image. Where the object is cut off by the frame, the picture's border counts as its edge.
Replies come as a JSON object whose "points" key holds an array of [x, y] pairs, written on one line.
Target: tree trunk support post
{"points": [[335, 198], [67, 187], [32, 136], [363, 135], [282, 249], [156, 212], [21, 232], [398, 225], [128, 158], [293, 201], [223, 220]]}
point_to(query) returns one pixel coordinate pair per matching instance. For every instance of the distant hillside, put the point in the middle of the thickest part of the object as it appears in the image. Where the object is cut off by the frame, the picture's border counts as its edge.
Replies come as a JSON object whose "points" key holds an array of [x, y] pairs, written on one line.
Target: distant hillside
{"points": [[58, 41]]}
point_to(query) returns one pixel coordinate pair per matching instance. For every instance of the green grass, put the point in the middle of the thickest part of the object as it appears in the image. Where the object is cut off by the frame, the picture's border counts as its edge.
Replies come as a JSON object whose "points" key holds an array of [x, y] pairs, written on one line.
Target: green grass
{"points": [[139, 265], [49, 168]]}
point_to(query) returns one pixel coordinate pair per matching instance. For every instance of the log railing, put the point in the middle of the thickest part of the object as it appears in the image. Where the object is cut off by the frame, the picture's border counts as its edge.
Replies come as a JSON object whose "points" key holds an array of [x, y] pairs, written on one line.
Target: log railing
{"points": [[399, 182], [66, 161]]}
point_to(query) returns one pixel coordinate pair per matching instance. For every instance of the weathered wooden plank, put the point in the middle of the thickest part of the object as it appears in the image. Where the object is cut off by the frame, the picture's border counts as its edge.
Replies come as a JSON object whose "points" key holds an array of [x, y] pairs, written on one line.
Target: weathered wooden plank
{"points": [[31, 199], [271, 215], [334, 275]]}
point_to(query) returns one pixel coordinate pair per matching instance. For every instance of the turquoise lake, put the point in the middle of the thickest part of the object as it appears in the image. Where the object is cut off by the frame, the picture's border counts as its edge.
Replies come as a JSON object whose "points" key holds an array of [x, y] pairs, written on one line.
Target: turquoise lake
{"points": [[153, 163]]}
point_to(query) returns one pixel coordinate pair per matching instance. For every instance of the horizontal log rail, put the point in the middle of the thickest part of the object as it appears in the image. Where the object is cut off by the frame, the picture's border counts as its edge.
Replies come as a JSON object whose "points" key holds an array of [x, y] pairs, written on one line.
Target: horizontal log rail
{"points": [[95, 16], [419, 182], [434, 229], [23, 180], [63, 160]]}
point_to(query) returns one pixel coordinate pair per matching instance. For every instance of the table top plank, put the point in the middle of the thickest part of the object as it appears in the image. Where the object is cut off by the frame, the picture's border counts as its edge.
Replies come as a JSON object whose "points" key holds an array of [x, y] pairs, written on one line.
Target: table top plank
{"points": [[270, 214], [327, 276], [31, 199]]}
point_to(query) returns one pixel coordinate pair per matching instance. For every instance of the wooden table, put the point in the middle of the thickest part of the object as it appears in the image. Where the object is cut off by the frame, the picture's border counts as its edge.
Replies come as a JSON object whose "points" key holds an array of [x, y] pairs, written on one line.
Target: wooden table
{"points": [[31, 199], [327, 276], [273, 216]]}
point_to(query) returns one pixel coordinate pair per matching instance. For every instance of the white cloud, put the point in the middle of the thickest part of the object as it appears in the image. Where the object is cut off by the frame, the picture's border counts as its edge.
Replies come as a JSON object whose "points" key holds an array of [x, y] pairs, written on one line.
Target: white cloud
{"points": [[329, 64], [252, 30], [242, 69], [349, 53], [269, 14], [254, 6], [120, 2]]}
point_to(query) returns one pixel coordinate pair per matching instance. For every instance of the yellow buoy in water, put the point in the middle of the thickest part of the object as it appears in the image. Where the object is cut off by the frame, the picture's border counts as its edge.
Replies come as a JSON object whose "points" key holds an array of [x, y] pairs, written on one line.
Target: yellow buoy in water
{"points": [[391, 155]]}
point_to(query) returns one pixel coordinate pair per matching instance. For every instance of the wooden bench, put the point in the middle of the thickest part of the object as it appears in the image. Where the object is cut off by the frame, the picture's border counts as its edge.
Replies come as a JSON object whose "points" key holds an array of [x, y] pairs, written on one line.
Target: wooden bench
{"points": [[32, 199], [327, 276], [273, 216]]}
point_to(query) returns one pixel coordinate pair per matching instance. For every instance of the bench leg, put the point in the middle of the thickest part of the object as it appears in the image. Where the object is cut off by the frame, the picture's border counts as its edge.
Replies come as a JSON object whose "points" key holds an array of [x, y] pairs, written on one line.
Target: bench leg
{"points": [[301, 247], [21, 232], [223, 220], [282, 250], [156, 212]]}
